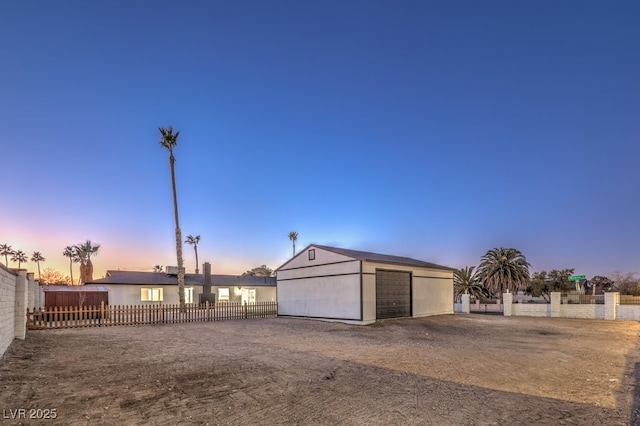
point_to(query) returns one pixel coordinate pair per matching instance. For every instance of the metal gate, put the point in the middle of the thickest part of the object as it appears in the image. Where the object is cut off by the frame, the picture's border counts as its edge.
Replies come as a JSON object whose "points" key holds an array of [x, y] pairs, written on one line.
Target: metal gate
{"points": [[393, 294]]}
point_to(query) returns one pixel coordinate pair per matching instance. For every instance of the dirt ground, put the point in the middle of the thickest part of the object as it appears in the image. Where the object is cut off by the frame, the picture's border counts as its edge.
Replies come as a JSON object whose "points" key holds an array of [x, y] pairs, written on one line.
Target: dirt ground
{"points": [[449, 370]]}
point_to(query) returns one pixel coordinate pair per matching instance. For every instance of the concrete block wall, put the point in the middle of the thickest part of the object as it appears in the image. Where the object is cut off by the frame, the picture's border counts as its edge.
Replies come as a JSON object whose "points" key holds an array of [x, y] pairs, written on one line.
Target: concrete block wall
{"points": [[18, 291], [531, 310], [586, 311], [7, 307]]}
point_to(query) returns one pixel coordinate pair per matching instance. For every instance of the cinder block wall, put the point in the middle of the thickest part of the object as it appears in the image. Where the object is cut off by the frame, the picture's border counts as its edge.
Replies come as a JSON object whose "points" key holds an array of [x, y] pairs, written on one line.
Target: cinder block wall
{"points": [[7, 307]]}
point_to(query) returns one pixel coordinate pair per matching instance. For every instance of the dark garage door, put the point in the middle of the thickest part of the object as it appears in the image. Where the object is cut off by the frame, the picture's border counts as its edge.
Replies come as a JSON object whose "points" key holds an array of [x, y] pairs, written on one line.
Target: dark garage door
{"points": [[393, 294]]}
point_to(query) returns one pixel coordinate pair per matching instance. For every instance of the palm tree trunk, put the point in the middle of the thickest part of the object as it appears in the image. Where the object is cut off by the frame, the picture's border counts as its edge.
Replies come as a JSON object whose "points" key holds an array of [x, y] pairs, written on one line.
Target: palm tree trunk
{"points": [[196, 250], [71, 269], [88, 273], [172, 161], [39, 277], [83, 273]]}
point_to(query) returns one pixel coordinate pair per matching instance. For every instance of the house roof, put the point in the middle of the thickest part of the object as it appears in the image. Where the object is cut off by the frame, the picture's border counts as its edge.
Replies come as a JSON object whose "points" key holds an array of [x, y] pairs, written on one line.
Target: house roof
{"points": [[160, 278], [377, 257], [72, 288]]}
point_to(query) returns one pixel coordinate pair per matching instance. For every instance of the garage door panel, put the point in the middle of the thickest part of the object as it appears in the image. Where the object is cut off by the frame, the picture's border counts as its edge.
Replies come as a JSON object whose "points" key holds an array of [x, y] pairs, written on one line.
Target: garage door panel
{"points": [[393, 294]]}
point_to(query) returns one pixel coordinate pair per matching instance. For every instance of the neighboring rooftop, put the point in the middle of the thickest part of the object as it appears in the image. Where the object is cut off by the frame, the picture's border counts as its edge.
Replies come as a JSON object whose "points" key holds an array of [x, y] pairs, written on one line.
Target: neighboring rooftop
{"points": [[161, 278]]}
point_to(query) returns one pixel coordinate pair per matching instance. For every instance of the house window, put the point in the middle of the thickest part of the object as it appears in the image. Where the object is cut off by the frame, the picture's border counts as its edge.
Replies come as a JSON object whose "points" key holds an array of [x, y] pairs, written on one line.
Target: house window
{"points": [[151, 294], [312, 254], [188, 295], [223, 295]]}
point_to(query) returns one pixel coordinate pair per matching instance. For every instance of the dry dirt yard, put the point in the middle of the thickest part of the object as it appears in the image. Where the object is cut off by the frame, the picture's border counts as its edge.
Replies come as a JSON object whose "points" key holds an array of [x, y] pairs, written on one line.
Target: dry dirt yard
{"points": [[445, 370]]}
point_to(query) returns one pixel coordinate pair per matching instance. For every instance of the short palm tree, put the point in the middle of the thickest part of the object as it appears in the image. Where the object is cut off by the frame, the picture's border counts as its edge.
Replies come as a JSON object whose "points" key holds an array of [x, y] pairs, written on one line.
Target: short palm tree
{"points": [[20, 257], [37, 257], [6, 250], [293, 236], [169, 141], [465, 280], [158, 269], [504, 269], [194, 240]]}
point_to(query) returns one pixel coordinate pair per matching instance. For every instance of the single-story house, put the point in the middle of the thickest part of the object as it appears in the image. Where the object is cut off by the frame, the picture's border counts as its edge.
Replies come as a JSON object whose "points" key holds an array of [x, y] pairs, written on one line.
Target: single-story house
{"points": [[360, 287], [140, 288]]}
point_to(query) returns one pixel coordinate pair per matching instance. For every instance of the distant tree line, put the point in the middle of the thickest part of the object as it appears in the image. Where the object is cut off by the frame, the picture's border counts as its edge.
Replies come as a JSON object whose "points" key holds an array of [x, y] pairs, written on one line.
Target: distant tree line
{"points": [[506, 269]]}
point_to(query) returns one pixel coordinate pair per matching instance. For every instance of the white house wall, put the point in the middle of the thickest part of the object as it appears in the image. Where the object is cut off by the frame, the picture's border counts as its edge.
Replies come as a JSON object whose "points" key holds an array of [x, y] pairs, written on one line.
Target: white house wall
{"points": [[123, 294], [263, 294]]}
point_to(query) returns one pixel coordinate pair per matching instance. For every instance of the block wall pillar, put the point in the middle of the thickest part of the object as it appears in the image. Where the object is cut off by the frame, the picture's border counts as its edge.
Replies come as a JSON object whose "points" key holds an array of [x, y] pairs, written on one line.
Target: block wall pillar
{"points": [[611, 302], [555, 304], [507, 299], [22, 299], [466, 298]]}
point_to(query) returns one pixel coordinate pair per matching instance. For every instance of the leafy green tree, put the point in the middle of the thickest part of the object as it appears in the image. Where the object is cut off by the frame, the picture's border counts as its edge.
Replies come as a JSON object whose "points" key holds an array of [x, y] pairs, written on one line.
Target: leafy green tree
{"points": [[37, 257], [599, 285], [293, 237], [6, 251], [169, 141], [543, 283], [503, 269], [20, 257], [194, 240], [465, 280], [260, 271]]}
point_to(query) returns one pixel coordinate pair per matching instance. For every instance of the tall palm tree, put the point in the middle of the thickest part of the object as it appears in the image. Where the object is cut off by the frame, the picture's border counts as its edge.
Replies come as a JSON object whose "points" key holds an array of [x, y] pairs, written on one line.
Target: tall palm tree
{"points": [[37, 257], [84, 251], [72, 254], [503, 269], [293, 236], [194, 242], [169, 141], [6, 250], [465, 280], [20, 257]]}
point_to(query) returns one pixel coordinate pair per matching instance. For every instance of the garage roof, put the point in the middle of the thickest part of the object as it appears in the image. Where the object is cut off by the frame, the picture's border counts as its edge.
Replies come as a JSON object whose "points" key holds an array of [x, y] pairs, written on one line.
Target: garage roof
{"points": [[377, 257]]}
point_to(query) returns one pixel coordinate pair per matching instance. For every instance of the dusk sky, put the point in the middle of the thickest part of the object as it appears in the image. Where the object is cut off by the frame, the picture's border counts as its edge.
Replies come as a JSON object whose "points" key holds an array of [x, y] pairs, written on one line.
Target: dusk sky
{"points": [[433, 130]]}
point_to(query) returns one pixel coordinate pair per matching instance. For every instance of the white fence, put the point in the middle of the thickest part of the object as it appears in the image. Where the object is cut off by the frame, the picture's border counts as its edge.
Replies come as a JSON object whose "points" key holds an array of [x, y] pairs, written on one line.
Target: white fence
{"points": [[610, 310]]}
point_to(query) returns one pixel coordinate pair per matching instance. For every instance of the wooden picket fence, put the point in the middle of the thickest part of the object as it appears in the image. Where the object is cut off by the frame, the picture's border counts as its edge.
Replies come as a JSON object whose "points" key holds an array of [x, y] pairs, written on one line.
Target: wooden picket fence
{"points": [[107, 315]]}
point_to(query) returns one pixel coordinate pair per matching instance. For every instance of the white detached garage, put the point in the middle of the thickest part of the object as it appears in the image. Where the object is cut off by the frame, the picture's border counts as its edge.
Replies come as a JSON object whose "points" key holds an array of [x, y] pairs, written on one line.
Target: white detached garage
{"points": [[360, 287]]}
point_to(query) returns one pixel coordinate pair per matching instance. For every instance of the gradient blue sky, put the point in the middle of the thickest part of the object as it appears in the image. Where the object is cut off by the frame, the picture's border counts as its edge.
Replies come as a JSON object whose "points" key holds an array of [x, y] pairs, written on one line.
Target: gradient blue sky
{"points": [[434, 130]]}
